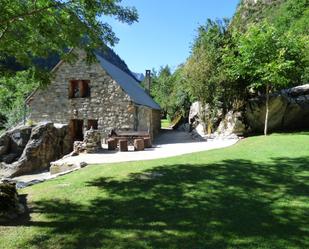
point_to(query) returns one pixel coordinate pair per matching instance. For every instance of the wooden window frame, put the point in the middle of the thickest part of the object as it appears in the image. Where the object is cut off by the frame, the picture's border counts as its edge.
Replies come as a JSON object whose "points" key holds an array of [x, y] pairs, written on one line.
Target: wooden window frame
{"points": [[79, 89]]}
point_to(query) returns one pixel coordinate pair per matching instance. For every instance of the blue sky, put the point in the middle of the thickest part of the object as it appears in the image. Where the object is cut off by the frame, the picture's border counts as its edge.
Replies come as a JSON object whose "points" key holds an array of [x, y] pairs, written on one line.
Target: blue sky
{"points": [[165, 30]]}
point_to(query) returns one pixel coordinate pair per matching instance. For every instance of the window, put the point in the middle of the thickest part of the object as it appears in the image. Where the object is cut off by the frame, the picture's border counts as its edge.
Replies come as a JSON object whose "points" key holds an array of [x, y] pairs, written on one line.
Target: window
{"points": [[79, 89]]}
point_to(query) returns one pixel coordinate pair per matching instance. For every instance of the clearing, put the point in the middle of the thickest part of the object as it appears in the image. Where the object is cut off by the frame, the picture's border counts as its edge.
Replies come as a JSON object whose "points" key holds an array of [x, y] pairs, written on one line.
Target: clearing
{"points": [[254, 194]]}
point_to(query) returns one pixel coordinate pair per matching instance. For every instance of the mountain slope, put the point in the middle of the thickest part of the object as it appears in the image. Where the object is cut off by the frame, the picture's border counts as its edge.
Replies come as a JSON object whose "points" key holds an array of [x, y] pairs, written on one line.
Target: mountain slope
{"points": [[286, 15]]}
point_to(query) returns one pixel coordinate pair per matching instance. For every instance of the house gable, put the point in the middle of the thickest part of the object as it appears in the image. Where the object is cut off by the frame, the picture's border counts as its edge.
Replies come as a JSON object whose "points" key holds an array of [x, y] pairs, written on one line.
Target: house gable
{"points": [[128, 83], [108, 103]]}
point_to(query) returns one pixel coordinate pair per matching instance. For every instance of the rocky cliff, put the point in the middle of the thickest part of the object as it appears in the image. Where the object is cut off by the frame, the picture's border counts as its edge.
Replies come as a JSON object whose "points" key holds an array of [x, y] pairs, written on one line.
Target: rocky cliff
{"points": [[250, 11]]}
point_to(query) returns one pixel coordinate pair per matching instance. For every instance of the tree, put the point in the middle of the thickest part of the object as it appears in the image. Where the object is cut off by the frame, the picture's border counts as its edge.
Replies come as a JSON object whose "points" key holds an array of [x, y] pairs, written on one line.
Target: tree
{"points": [[169, 91], [162, 87], [180, 100], [202, 68], [39, 28], [266, 59], [13, 91]]}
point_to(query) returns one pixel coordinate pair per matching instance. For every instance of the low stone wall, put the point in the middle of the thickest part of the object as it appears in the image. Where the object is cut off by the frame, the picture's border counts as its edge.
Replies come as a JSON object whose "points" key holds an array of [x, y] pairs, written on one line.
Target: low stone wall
{"points": [[60, 167]]}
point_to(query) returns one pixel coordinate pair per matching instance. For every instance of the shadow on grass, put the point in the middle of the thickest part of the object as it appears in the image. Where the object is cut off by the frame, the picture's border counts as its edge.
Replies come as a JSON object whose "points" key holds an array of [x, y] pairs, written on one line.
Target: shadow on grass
{"points": [[235, 204]]}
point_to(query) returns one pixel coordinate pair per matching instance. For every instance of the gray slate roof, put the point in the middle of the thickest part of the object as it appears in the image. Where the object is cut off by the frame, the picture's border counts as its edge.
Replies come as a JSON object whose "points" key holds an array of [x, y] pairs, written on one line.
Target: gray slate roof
{"points": [[128, 84]]}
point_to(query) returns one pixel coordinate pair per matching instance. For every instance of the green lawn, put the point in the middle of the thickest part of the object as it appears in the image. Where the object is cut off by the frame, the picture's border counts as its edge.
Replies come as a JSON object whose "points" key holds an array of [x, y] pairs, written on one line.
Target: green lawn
{"points": [[251, 195]]}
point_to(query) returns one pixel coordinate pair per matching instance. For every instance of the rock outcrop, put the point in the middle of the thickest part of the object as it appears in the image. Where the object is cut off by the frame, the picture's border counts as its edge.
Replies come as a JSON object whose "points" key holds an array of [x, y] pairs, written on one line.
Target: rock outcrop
{"points": [[232, 124], [288, 110], [13, 142], [10, 207], [27, 149], [229, 125]]}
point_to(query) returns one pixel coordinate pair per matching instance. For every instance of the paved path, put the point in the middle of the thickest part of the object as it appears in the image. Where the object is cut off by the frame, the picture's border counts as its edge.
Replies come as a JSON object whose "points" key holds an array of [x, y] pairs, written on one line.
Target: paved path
{"points": [[172, 144], [169, 143]]}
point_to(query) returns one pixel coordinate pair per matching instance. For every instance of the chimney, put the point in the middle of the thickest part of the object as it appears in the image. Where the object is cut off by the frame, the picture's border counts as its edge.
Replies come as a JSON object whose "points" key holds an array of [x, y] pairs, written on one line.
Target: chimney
{"points": [[148, 81]]}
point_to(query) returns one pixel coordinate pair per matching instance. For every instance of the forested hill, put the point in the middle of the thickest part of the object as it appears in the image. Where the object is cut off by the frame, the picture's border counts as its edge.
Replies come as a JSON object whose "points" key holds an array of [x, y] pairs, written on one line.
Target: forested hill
{"points": [[263, 47], [51, 61], [286, 15], [110, 55]]}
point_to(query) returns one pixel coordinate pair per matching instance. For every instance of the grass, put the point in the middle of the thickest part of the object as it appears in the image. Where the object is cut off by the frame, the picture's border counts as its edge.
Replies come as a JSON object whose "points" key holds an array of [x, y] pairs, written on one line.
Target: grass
{"points": [[251, 195], [165, 123]]}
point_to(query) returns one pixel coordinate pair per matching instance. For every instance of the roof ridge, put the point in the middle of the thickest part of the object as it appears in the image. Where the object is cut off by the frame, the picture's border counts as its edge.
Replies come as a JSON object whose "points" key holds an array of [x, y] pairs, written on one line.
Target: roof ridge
{"points": [[128, 83]]}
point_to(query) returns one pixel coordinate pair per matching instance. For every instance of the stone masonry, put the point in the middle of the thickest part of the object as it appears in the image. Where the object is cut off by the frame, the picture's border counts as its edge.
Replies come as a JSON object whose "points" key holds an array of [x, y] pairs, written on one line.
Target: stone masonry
{"points": [[92, 141], [108, 103]]}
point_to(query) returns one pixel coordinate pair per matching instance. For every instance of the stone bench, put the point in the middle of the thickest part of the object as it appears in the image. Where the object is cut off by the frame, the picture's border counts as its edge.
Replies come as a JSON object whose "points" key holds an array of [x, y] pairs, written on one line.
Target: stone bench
{"points": [[147, 142], [139, 144], [123, 145]]}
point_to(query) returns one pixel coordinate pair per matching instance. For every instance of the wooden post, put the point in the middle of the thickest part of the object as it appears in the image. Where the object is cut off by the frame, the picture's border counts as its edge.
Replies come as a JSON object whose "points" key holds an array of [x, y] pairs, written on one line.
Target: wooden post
{"points": [[267, 110]]}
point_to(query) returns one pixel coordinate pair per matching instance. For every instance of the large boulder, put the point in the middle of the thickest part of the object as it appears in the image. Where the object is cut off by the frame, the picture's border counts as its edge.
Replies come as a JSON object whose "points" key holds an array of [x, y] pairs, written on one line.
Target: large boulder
{"points": [[46, 143], [198, 113], [13, 142], [195, 110], [232, 124], [288, 110]]}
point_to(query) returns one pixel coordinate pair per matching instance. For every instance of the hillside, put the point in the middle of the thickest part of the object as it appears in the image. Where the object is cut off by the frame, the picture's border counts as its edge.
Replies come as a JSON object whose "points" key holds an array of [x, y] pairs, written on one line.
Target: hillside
{"points": [[286, 15]]}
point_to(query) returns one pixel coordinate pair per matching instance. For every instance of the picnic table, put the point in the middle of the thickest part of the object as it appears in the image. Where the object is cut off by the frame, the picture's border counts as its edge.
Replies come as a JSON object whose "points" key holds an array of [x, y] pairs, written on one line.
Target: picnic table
{"points": [[130, 136]]}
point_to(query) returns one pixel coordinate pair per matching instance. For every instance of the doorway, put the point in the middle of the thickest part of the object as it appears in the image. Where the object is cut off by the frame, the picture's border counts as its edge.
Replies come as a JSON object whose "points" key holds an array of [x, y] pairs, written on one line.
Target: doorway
{"points": [[92, 123], [76, 129]]}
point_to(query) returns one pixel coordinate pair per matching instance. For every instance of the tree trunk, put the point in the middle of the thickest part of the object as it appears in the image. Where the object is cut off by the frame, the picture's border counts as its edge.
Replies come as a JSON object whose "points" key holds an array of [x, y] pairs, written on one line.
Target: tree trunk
{"points": [[203, 116], [267, 110], [209, 127]]}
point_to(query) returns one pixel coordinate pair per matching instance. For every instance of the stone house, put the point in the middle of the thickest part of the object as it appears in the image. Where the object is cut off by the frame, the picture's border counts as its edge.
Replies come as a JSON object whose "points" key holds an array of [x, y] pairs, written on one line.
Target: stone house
{"points": [[98, 95]]}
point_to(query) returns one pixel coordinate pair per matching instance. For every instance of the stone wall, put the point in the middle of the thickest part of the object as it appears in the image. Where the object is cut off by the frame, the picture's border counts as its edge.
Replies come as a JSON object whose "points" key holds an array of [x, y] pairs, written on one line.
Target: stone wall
{"points": [[148, 120], [108, 103], [144, 118], [156, 122], [92, 141]]}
